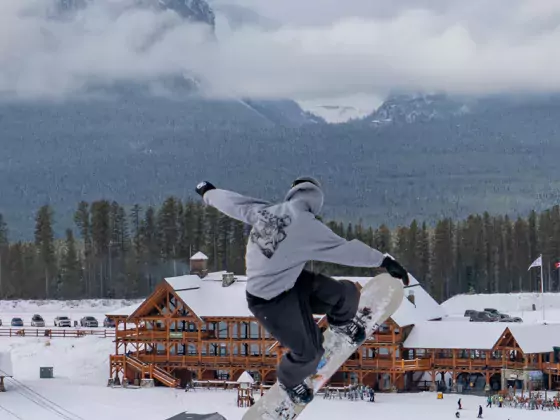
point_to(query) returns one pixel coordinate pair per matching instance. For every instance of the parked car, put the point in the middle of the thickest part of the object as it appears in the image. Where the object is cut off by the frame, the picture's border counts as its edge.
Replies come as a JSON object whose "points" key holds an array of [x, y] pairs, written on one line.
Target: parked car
{"points": [[62, 321], [109, 323], [469, 312], [37, 321], [17, 322], [89, 321], [483, 316]]}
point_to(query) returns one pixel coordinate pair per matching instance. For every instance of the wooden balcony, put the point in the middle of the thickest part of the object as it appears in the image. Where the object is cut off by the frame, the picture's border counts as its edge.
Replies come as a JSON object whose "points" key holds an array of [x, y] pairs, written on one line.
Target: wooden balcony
{"points": [[163, 335]]}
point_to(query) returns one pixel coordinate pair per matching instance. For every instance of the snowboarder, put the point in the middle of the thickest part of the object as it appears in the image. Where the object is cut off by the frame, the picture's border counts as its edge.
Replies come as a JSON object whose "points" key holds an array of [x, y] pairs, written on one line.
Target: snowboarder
{"points": [[281, 294], [489, 401]]}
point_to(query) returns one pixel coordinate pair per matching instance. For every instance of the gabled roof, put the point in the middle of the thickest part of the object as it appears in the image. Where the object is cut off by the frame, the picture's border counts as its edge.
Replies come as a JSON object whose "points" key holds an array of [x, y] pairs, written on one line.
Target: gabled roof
{"points": [[536, 338], [455, 335], [246, 378], [199, 256]]}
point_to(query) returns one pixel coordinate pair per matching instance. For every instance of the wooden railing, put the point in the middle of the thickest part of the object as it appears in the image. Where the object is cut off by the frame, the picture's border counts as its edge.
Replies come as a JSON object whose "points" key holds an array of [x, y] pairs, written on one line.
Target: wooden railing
{"points": [[162, 335], [477, 363], [55, 332]]}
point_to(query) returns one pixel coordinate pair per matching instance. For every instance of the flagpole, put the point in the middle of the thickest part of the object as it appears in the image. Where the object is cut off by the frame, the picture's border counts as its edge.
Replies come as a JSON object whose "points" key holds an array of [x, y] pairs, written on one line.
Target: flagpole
{"points": [[542, 289]]}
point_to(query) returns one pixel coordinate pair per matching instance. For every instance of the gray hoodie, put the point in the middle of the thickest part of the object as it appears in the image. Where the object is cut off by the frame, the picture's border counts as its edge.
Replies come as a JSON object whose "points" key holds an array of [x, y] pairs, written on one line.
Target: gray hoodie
{"points": [[286, 236]]}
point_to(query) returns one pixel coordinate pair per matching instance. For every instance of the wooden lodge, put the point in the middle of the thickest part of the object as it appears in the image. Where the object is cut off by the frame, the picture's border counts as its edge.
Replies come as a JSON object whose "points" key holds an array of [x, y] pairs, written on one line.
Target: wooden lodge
{"points": [[197, 327]]}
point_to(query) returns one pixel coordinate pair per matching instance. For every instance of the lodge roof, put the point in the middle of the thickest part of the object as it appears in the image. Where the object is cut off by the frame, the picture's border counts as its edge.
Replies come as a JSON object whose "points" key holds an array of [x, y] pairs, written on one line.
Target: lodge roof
{"points": [[454, 335], [208, 298], [536, 338]]}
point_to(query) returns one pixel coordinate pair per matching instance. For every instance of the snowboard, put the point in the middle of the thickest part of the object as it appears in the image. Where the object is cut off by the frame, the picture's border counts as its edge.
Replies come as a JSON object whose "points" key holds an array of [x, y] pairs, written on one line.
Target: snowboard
{"points": [[379, 299]]}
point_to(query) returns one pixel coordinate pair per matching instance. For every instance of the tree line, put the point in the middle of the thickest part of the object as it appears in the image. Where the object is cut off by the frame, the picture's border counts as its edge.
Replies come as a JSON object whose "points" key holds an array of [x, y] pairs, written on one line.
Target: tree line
{"points": [[117, 252]]}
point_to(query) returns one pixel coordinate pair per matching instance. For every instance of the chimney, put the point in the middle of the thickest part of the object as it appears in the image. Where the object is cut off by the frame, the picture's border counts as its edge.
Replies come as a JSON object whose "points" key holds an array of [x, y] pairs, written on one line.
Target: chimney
{"points": [[199, 265], [228, 279], [411, 297]]}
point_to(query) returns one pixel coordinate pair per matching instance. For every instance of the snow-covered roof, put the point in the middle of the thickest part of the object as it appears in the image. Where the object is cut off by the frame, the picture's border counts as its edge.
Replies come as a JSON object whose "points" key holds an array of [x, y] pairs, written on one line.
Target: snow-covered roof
{"points": [[124, 311], [536, 338], [190, 281], [246, 378], [199, 256], [424, 308], [6, 367], [211, 299], [447, 335]]}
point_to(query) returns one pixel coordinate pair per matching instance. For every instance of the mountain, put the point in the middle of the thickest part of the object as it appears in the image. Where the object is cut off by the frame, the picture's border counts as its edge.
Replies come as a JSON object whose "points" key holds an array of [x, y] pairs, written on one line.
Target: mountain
{"points": [[142, 149], [193, 10], [405, 109]]}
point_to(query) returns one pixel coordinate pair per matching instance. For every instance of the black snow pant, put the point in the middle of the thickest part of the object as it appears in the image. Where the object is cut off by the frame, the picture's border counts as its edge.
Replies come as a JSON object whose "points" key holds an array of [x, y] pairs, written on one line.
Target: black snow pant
{"points": [[289, 319]]}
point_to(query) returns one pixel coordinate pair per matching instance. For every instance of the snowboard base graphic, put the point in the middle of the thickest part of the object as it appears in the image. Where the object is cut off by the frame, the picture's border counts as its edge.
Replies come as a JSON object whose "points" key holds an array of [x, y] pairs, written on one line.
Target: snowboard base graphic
{"points": [[380, 298]]}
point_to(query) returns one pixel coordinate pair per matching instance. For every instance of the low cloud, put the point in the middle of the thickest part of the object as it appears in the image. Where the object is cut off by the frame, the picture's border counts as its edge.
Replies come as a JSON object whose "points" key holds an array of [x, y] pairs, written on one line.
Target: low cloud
{"points": [[476, 48]]}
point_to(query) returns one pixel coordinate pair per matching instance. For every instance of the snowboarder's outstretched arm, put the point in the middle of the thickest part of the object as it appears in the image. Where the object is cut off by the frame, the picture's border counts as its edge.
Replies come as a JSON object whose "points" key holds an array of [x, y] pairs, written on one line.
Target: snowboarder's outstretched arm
{"points": [[325, 245], [231, 203]]}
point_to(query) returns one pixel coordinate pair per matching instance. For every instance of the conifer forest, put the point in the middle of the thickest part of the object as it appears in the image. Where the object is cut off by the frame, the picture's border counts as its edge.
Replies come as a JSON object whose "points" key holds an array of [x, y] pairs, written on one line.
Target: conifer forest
{"points": [[115, 252]]}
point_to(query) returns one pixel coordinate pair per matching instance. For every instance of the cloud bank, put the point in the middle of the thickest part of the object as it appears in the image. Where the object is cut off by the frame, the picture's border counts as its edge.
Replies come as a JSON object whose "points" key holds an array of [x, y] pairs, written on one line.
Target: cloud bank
{"points": [[325, 48]]}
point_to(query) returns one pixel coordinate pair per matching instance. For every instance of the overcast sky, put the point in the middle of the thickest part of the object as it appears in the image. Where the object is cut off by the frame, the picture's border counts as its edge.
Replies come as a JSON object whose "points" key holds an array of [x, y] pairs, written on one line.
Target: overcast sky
{"points": [[322, 49]]}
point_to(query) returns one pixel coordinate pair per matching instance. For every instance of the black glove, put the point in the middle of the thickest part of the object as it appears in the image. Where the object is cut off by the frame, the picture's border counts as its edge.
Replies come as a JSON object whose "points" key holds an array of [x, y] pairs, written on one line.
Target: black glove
{"points": [[203, 187], [395, 269]]}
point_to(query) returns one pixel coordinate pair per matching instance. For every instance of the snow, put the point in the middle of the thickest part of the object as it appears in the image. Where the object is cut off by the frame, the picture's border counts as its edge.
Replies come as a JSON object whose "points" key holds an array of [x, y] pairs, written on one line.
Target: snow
{"points": [[503, 302], [126, 310], [199, 256], [446, 335], [190, 281], [79, 387], [214, 300], [49, 309], [246, 378], [6, 367], [536, 338]]}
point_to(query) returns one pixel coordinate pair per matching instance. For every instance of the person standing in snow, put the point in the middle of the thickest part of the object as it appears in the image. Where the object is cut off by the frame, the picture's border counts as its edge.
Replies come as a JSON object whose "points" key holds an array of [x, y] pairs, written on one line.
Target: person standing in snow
{"points": [[280, 293], [459, 404], [489, 401], [479, 412]]}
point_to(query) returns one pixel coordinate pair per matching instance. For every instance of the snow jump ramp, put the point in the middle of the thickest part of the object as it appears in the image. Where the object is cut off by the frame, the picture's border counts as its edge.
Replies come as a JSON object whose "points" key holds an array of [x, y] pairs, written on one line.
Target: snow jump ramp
{"points": [[191, 416]]}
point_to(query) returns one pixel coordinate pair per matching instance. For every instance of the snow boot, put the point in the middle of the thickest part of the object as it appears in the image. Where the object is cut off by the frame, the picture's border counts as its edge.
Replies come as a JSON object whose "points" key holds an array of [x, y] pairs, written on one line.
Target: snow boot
{"points": [[354, 330], [300, 394]]}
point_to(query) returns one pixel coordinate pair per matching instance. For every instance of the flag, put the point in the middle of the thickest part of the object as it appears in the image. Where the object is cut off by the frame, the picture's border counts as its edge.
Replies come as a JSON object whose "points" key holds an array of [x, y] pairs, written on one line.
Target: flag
{"points": [[557, 265], [536, 263]]}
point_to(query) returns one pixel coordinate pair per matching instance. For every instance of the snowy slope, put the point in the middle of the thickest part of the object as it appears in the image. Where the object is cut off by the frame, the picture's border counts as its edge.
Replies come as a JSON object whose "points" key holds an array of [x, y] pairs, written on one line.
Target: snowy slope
{"points": [[79, 392]]}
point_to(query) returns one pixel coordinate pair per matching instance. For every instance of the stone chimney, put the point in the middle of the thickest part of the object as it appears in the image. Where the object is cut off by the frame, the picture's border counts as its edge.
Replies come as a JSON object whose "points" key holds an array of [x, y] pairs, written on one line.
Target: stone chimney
{"points": [[228, 279], [199, 264]]}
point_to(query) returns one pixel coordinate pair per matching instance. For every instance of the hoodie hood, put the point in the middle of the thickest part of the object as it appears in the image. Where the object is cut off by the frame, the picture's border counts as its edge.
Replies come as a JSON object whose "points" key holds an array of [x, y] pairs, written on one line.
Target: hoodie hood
{"points": [[309, 194]]}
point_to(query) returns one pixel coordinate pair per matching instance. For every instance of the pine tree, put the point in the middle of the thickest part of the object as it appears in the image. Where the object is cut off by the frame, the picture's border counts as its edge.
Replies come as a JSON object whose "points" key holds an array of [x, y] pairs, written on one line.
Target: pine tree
{"points": [[44, 242], [71, 269], [382, 239]]}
